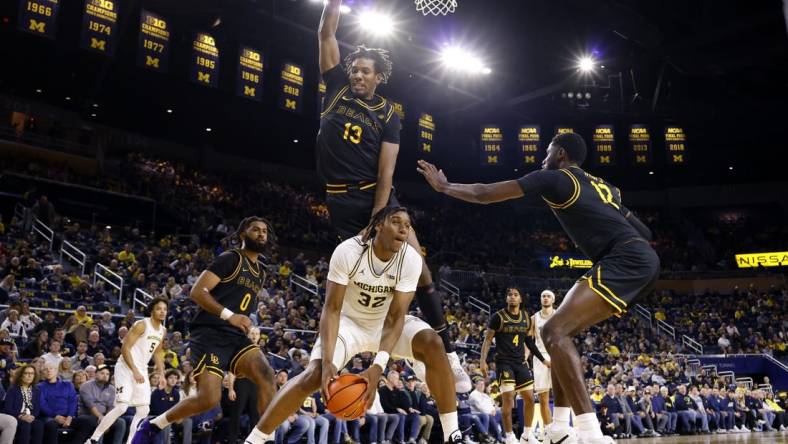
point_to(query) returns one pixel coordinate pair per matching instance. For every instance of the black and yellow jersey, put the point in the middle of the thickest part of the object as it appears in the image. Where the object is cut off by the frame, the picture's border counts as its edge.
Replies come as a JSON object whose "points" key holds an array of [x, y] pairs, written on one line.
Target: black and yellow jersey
{"points": [[510, 332]]}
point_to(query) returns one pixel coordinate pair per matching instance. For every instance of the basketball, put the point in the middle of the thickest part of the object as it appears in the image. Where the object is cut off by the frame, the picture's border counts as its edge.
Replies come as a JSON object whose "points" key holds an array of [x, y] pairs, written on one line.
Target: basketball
{"points": [[346, 397]]}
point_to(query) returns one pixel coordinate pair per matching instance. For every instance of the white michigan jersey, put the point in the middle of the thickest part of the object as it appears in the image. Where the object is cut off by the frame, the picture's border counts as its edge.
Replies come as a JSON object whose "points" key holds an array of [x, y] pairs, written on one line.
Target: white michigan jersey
{"points": [[539, 322], [142, 350], [128, 390], [370, 281]]}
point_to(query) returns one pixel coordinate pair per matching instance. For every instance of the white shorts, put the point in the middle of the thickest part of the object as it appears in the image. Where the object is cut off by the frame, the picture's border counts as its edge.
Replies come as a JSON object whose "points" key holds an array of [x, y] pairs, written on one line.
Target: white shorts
{"points": [[353, 339], [128, 391], [542, 380]]}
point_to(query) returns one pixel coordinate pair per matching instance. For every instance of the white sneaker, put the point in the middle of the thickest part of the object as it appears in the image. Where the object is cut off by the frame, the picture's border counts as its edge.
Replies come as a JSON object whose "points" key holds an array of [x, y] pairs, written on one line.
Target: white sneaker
{"points": [[462, 383], [510, 439], [564, 435]]}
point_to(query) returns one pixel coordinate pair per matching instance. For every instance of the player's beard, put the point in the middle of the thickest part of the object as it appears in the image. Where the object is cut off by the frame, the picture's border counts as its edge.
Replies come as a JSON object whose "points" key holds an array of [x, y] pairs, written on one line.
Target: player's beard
{"points": [[257, 247]]}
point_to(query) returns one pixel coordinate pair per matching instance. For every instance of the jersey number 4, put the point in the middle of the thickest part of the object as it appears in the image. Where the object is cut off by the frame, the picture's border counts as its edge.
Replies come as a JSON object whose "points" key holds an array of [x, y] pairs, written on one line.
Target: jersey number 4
{"points": [[352, 133], [516, 340], [367, 299]]}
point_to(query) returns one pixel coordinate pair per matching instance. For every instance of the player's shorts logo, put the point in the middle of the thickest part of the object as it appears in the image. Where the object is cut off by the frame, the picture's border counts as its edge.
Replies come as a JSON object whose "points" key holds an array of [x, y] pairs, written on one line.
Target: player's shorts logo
{"points": [[119, 390], [214, 359], [505, 374]]}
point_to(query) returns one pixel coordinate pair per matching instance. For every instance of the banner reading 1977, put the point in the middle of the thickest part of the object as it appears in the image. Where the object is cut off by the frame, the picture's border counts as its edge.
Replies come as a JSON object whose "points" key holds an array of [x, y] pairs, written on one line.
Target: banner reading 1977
{"points": [[154, 42], [676, 145], [492, 145], [291, 88], [604, 143], [528, 139], [250, 74], [39, 17], [205, 60], [426, 133], [99, 26]]}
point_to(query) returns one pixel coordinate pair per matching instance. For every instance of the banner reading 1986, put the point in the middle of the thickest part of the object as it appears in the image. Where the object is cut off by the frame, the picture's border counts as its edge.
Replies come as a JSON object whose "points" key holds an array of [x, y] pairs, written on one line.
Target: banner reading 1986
{"points": [[205, 60], [492, 145], [604, 145], [99, 26], [39, 17], [250, 74], [528, 139], [291, 88], [154, 43], [426, 133], [640, 141], [676, 145]]}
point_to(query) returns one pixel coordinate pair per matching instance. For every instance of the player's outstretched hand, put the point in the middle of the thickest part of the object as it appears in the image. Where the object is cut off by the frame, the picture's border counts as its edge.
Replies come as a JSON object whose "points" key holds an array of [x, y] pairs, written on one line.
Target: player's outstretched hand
{"points": [[433, 175], [328, 373], [138, 378], [372, 375], [240, 322]]}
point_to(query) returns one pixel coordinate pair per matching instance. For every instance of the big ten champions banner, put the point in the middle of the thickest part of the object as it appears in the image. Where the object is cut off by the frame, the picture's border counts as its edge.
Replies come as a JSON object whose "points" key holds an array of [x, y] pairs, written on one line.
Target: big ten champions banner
{"points": [[640, 142], [426, 134], [154, 42], [250, 74], [99, 26], [292, 88], [205, 60], [528, 139], [604, 149], [492, 145], [39, 17], [676, 145]]}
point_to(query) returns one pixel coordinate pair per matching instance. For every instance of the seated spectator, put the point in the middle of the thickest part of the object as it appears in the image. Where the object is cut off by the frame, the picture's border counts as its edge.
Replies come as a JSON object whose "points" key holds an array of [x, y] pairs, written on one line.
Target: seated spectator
{"points": [[106, 325], [309, 411], [8, 424], [615, 411], [64, 370], [296, 426], [482, 404], [66, 347], [126, 255], [49, 324], [81, 359], [162, 399], [779, 412], [37, 346], [80, 377], [78, 325], [382, 425], [95, 345], [96, 398], [29, 319], [7, 360], [23, 402], [54, 356], [15, 327], [59, 408], [685, 409]]}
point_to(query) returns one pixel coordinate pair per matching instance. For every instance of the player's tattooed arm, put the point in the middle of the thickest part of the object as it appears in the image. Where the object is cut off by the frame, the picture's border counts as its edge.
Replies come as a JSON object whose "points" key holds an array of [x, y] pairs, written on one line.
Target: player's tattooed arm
{"points": [[489, 334], [386, 163], [137, 330], [327, 36], [480, 193]]}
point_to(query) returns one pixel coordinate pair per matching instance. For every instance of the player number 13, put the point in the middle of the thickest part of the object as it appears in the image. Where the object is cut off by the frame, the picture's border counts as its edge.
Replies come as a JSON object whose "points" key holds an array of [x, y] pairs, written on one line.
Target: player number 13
{"points": [[352, 133]]}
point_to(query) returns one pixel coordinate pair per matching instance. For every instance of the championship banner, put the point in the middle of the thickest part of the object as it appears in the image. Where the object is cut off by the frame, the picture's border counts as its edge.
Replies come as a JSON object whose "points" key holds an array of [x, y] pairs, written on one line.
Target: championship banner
{"points": [[604, 142], [640, 141], [563, 129], [426, 133], [676, 145], [399, 109], [250, 74], [154, 42], [565, 261], [99, 26], [205, 60], [292, 88], [39, 17], [492, 144], [528, 139]]}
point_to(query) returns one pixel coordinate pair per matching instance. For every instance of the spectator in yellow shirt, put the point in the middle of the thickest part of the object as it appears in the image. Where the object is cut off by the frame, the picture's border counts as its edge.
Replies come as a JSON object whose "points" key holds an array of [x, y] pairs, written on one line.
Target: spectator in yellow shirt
{"points": [[285, 270], [127, 256]]}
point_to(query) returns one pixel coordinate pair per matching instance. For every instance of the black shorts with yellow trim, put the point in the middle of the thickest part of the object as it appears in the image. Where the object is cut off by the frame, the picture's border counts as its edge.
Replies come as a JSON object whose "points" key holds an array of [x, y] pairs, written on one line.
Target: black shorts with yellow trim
{"points": [[350, 209], [519, 376], [215, 351], [628, 271]]}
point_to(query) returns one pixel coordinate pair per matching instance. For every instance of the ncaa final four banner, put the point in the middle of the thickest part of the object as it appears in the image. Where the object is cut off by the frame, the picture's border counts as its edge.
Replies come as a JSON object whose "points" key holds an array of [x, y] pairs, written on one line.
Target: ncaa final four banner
{"points": [[426, 134], [291, 88], [563, 129], [205, 60], [99, 26], [640, 142], [604, 144], [528, 139], [676, 145], [492, 145], [154, 42], [39, 17], [250, 74]]}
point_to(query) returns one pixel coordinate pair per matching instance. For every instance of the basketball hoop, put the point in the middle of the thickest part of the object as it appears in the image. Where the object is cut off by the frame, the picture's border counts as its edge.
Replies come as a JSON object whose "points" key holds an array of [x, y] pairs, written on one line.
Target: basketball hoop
{"points": [[436, 7]]}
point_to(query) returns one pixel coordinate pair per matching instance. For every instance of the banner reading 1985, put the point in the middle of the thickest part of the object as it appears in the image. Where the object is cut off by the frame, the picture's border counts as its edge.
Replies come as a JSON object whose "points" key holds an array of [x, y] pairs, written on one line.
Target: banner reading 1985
{"points": [[640, 141], [426, 133], [291, 88], [39, 17], [528, 139], [604, 152], [154, 42], [492, 145], [205, 60], [250, 74], [676, 145], [99, 26]]}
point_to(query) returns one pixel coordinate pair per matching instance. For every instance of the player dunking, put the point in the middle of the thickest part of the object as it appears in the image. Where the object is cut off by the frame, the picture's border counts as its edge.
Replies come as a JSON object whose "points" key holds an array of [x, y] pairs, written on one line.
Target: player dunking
{"points": [[226, 293], [625, 265], [542, 381], [357, 148], [371, 282], [131, 372], [513, 331]]}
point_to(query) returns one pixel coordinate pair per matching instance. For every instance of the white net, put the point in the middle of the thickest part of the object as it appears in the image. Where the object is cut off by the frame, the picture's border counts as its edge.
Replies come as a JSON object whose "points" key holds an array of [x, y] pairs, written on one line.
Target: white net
{"points": [[436, 7]]}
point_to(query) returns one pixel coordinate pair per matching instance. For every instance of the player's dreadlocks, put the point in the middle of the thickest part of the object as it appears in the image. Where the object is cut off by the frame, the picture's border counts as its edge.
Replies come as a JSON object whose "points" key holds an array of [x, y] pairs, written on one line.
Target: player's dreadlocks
{"points": [[383, 65], [235, 236], [380, 216]]}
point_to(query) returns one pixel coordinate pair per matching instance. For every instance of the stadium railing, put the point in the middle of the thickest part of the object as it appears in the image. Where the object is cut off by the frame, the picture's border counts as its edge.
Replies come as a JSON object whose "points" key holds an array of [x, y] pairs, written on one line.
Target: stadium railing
{"points": [[44, 231], [665, 328], [140, 297], [644, 313], [303, 283], [692, 344], [112, 278], [75, 254]]}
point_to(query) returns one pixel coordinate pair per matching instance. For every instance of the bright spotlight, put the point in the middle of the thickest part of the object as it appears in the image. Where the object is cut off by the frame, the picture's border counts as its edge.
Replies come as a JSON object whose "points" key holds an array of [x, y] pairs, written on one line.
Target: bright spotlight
{"points": [[585, 64], [376, 23], [459, 59]]}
